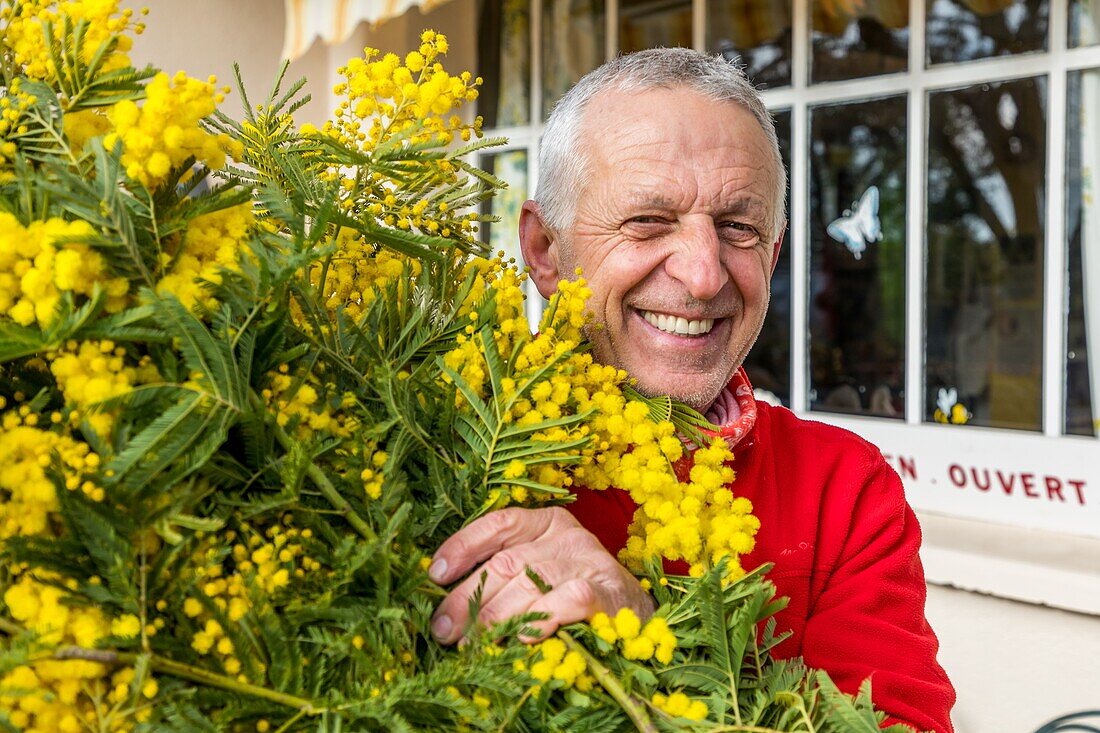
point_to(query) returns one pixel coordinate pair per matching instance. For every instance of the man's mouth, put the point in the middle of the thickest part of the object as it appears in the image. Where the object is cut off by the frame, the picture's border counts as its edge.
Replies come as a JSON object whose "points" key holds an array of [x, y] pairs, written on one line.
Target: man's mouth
{"points": [[677, 325]]}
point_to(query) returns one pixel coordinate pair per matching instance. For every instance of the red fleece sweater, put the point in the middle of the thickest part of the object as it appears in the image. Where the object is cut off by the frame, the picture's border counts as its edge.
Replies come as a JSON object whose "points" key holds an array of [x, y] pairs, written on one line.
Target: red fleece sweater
{"points": [[844, 542]]}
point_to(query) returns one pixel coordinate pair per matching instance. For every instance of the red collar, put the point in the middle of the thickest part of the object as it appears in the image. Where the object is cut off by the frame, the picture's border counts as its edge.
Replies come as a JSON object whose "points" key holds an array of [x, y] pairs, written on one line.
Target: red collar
{"points": [[734, 411]]}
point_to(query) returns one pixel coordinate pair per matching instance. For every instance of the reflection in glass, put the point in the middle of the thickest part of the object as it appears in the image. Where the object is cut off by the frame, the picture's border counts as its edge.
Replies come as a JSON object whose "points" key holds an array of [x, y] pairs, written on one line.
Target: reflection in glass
{"points": [[572, 45], [504, 234], [1083, 249], [755, 34], [1084, 23], [964, 30], [651, 23], [857, 39], [984, 277], [504, 62], [857, 257], [769, 362]]}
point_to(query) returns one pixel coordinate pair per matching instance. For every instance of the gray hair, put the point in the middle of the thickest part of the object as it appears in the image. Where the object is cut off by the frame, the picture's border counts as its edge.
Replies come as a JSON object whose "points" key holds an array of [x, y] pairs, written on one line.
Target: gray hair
{"points": [[563, 167]]}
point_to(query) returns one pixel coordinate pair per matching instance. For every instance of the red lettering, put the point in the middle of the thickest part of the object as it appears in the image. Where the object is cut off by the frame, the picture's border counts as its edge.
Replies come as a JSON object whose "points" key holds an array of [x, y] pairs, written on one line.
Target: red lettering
{"points": [[1028, 480], [1054, 488], [1079, 487], [977, 481], [1030, 484], [907, 466]]}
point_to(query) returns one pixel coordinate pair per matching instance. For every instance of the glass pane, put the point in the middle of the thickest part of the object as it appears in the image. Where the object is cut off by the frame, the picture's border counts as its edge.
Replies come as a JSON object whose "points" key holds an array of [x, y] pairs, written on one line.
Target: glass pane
{"points": [[504, 234], [769, 361], [963, 30], [857, 257], [754, 33], [651, 23], [1084, 23], [1083, 240], [572, 45], [504, 63], [984, 278], [857, 39]]}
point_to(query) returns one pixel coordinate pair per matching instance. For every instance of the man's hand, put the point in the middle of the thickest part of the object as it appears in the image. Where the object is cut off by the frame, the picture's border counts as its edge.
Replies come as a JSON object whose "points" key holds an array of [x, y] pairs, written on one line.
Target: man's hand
{"points": [[584, 577]]}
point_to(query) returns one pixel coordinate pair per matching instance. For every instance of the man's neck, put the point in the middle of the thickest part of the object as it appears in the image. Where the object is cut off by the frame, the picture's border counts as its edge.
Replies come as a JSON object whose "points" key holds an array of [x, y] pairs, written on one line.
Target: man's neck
{"points": [[724, 410]]}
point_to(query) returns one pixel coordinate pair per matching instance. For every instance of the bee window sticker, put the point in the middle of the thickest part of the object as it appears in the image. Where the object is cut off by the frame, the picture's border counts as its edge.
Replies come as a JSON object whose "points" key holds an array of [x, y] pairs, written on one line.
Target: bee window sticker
{"points": [[858, 226], [949, 410]]}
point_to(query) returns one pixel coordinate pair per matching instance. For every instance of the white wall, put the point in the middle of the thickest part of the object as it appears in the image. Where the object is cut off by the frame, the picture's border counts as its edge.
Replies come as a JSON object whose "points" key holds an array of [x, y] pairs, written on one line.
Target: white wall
{"points": [[204, 37], [1015, 665]]}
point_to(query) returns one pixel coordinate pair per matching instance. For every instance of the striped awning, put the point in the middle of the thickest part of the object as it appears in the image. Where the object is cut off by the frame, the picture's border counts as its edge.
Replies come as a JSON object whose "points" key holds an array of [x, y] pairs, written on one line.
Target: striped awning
{"points": [[334, 20]]}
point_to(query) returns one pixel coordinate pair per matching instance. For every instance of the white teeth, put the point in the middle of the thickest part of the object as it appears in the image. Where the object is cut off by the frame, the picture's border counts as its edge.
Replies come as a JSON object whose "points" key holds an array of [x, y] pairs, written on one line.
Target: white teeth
{"points": [[677, 325]]}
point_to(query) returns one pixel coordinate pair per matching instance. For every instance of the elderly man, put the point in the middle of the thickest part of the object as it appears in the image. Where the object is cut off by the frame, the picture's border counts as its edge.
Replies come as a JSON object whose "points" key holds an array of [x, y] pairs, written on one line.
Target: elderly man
{"points": [[660, 177]]}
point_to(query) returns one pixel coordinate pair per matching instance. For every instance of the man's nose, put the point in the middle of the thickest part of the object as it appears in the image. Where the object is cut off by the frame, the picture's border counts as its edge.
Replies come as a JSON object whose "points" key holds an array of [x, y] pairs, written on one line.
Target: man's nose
{"points": [[697, 260]]}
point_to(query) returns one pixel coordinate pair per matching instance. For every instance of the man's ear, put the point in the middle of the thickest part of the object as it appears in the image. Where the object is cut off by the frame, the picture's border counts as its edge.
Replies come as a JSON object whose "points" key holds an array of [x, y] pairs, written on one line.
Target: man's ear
{"points": [[541, 249]]}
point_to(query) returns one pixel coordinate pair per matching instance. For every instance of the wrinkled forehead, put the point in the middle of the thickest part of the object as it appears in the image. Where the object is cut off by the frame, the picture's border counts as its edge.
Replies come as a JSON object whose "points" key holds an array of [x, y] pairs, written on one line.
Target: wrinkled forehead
{"points": [[654, 132], [617, 123]]}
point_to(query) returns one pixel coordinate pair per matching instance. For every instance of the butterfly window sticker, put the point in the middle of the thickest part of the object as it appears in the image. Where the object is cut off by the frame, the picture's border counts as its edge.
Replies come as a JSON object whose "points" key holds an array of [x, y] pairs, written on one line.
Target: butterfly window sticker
{"points": [[858, 226], [949, 410]]}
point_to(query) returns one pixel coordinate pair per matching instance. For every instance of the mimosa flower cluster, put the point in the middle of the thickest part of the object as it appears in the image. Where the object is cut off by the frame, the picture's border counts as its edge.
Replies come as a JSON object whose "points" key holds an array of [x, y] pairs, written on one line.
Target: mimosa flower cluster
{"points": [[356, 271], [385, 97], [653, 640], [28, 497], [69, 690], [556, 665], [45, 262], [165, 131], [389, 95], [106, 23], [213, 244]]}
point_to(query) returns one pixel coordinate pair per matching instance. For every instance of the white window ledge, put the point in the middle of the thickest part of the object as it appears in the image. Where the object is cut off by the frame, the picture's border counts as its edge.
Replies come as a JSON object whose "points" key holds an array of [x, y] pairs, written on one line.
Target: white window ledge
{"points": [[1030, 565]]}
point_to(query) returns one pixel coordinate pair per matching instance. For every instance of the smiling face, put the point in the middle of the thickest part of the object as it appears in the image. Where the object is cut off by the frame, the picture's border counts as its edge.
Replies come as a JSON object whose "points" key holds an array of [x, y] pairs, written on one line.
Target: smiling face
{"points": [[673, 234]]}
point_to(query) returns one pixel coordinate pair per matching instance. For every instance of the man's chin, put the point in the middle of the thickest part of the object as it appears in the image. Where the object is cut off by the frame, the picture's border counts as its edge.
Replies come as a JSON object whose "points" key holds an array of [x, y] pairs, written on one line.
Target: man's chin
{"points": [[698, 393]]}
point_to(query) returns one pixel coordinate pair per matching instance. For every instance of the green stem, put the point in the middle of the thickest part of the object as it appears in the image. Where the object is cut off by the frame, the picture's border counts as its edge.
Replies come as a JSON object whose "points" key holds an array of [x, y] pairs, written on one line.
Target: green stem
{"points": [[515, 709], [176, 669], [188, 672], [286, 726], [328, 490], [609, 682]]}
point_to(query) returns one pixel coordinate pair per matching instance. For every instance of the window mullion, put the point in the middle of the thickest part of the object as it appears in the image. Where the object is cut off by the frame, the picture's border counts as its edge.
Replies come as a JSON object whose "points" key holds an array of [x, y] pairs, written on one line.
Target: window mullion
{"points": [[915, 220], [611, 29], [1055, 296], [534, 302], [799, 214], [699, 25]]}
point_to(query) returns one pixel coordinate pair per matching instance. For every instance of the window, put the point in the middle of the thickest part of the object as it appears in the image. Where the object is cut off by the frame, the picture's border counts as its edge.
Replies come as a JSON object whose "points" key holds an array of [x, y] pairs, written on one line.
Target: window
{"points": [[857, 257]]}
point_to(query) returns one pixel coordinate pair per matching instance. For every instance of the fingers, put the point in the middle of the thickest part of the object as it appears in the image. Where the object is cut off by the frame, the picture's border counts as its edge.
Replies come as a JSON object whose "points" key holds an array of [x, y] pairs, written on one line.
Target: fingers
{"points": [[505, 573], [572, 601], [520, 593], [488, 535]]}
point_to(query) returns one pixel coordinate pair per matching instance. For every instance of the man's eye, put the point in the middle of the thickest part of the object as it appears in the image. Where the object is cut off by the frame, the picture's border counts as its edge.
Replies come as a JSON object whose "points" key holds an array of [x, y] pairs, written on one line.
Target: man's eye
{"points": [[738, 233], [646, 226]]}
